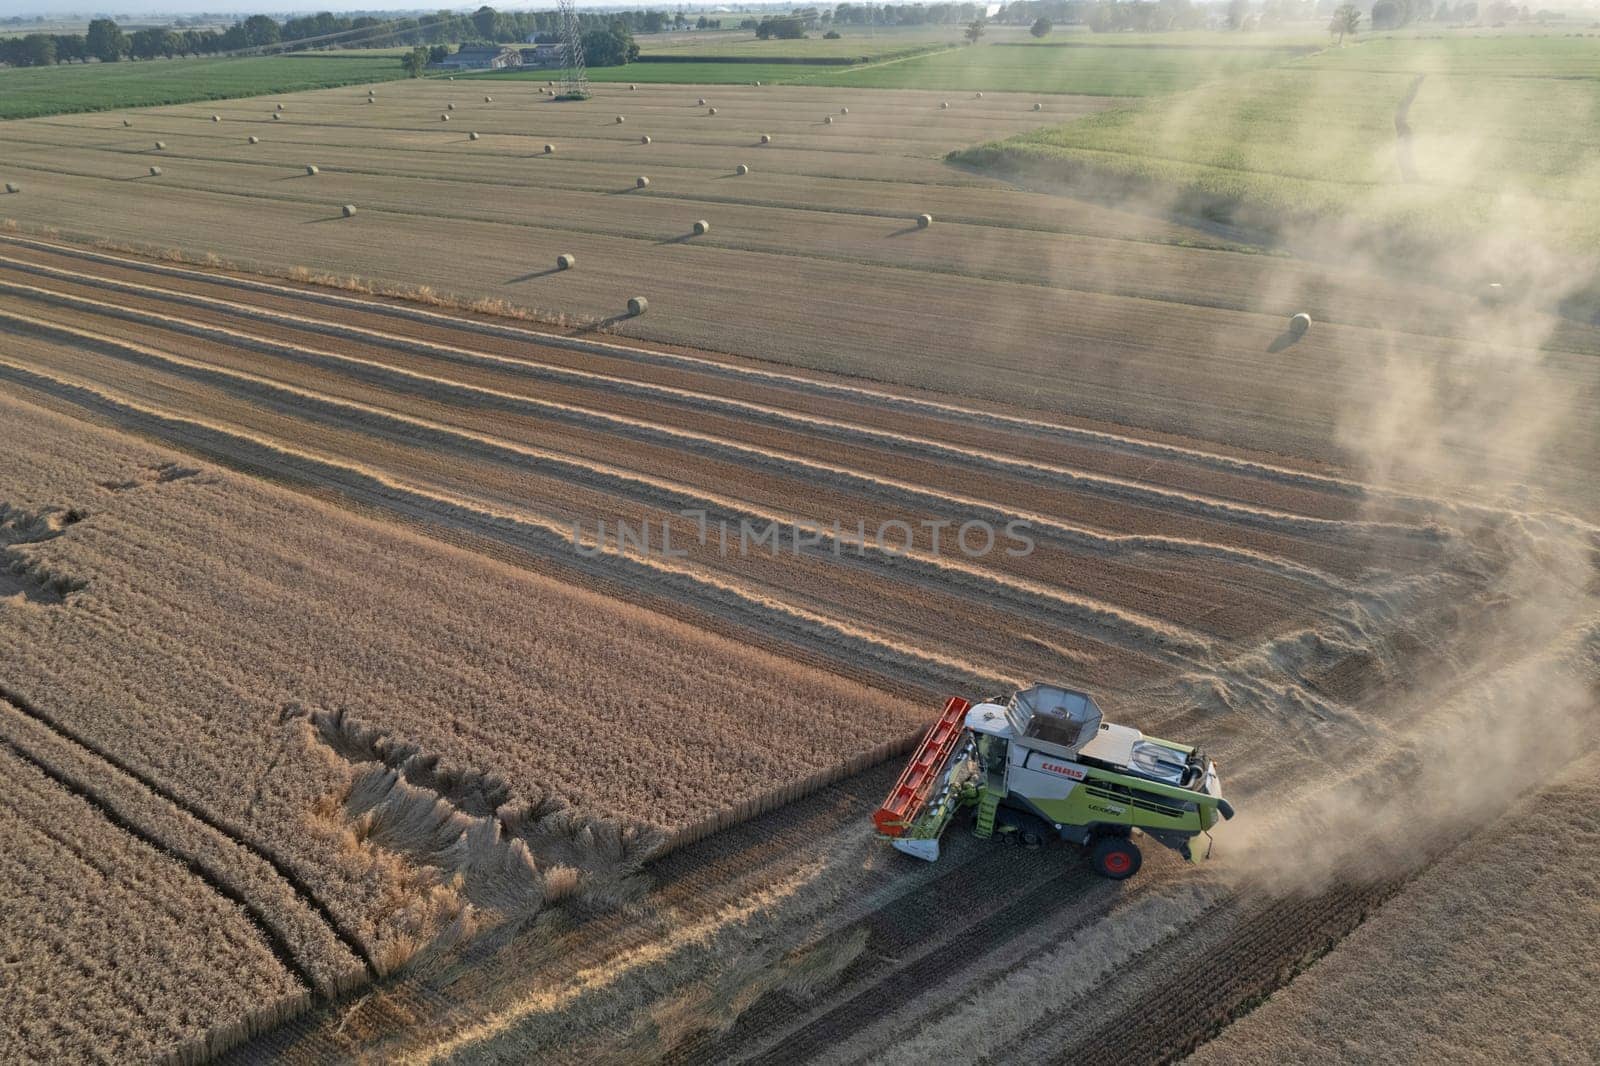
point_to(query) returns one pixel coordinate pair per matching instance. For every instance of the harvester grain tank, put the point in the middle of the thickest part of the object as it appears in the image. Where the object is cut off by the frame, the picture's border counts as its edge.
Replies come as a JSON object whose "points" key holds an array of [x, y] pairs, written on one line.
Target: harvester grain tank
{"points": [[1044, 763]]}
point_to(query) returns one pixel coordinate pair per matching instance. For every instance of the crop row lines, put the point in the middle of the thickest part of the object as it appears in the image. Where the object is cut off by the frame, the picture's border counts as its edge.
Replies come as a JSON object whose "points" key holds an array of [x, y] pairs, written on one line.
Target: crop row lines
{"points": [[800, 384], [1088, 616], [1053, 475], [538, 535], [880, 487]]}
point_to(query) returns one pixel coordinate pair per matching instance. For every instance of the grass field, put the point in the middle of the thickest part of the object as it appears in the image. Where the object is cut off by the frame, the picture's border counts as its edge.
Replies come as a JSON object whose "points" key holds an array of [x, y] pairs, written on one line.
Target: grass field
{"points": [[1501, 127], [1128, 70], [1084, 67], [864, 43], [30, 91]]}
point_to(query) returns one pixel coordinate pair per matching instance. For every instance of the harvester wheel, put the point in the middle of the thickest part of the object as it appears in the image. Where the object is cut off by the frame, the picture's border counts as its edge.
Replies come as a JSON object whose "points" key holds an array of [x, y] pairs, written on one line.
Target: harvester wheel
{"points": [[1115, 857]]}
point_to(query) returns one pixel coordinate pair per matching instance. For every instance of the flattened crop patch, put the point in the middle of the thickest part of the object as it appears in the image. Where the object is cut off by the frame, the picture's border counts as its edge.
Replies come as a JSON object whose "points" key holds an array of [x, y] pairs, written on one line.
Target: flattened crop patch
{"points": [[22, 576]]}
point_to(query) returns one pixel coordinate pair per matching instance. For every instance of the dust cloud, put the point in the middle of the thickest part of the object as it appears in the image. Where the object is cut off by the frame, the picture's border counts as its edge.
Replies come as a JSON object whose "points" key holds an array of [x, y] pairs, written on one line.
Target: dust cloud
{"points": [[1495, 435]]}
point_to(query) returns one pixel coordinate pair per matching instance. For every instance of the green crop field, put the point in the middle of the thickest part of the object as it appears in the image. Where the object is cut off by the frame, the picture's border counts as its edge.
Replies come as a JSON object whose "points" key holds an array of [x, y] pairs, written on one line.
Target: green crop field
{"points": [[32, 91], [1091, 66], [853, 42], [1316, 137]]}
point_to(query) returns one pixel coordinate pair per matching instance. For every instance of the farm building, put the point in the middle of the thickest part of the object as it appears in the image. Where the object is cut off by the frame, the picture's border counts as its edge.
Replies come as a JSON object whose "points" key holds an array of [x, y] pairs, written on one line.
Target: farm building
{"points": [[481, 57], [541, 55]]}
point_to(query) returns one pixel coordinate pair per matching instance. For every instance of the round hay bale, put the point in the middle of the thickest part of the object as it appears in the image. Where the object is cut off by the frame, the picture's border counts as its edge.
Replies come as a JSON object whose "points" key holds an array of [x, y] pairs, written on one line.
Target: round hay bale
{"points": [[621, 119], [644, 139], [701, 101], [276, 116], [370, 100], [444, 118], [638, 305], [924, 221], [372, 92], [254, 139], [280, 107], [978, 96], [547, 83], [711, 111], [451, 78], [702, 226], [347, 210], [1299, 324], [311, 168], [758, 85], [216, 118], [125, 122], [155, 172], [565, 262], [449, 107], [160, 145], [549, 148], [641, 182], [472, 136], [12, 186], [632, 88], [741, 170], [844, 111], [488, 99], [766, 138], [1038, 107], [827, 120], [945, 106]]}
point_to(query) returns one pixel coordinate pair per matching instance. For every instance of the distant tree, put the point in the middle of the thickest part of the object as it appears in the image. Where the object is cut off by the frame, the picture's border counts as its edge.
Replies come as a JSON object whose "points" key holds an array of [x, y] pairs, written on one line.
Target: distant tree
{"points": [[416, 61], [1041, 27], [784, 28], [259, 30], [974, 30], [1238, 11], [438, 53], [483, 20], [1346, 19], [106, 41], [1386, 15], [36, 50], [146, 43], [832, 35], [70, 47], [606, 48]]}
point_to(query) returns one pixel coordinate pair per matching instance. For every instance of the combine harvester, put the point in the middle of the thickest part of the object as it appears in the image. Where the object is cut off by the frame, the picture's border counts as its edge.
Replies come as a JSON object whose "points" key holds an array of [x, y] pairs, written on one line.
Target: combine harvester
{"points": [[1045, 764]]}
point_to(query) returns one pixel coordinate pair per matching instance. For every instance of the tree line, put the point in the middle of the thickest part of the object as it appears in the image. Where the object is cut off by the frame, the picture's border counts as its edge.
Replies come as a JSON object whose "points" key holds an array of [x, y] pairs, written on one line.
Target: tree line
{"points": [[107, 42]]}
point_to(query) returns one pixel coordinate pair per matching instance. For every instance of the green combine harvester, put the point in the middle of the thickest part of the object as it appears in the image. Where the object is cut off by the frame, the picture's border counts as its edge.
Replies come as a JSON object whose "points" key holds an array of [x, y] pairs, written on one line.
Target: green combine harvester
{"points": [[1044, 763]]}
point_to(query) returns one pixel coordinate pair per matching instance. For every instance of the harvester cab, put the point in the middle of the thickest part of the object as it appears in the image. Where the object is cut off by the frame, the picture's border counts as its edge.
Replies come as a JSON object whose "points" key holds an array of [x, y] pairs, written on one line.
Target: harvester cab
{"points": [[1045, 763]]}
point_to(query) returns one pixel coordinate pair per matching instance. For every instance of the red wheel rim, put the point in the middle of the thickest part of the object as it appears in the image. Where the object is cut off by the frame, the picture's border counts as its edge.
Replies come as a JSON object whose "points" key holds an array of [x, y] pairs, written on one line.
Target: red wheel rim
{"points": [[1117, 862]]}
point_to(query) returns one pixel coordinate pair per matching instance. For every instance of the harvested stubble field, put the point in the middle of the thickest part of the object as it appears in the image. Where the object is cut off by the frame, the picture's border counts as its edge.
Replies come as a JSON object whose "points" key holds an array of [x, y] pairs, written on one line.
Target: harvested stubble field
{"points": [[422, 732], [1011, 296], [393, 782]]}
